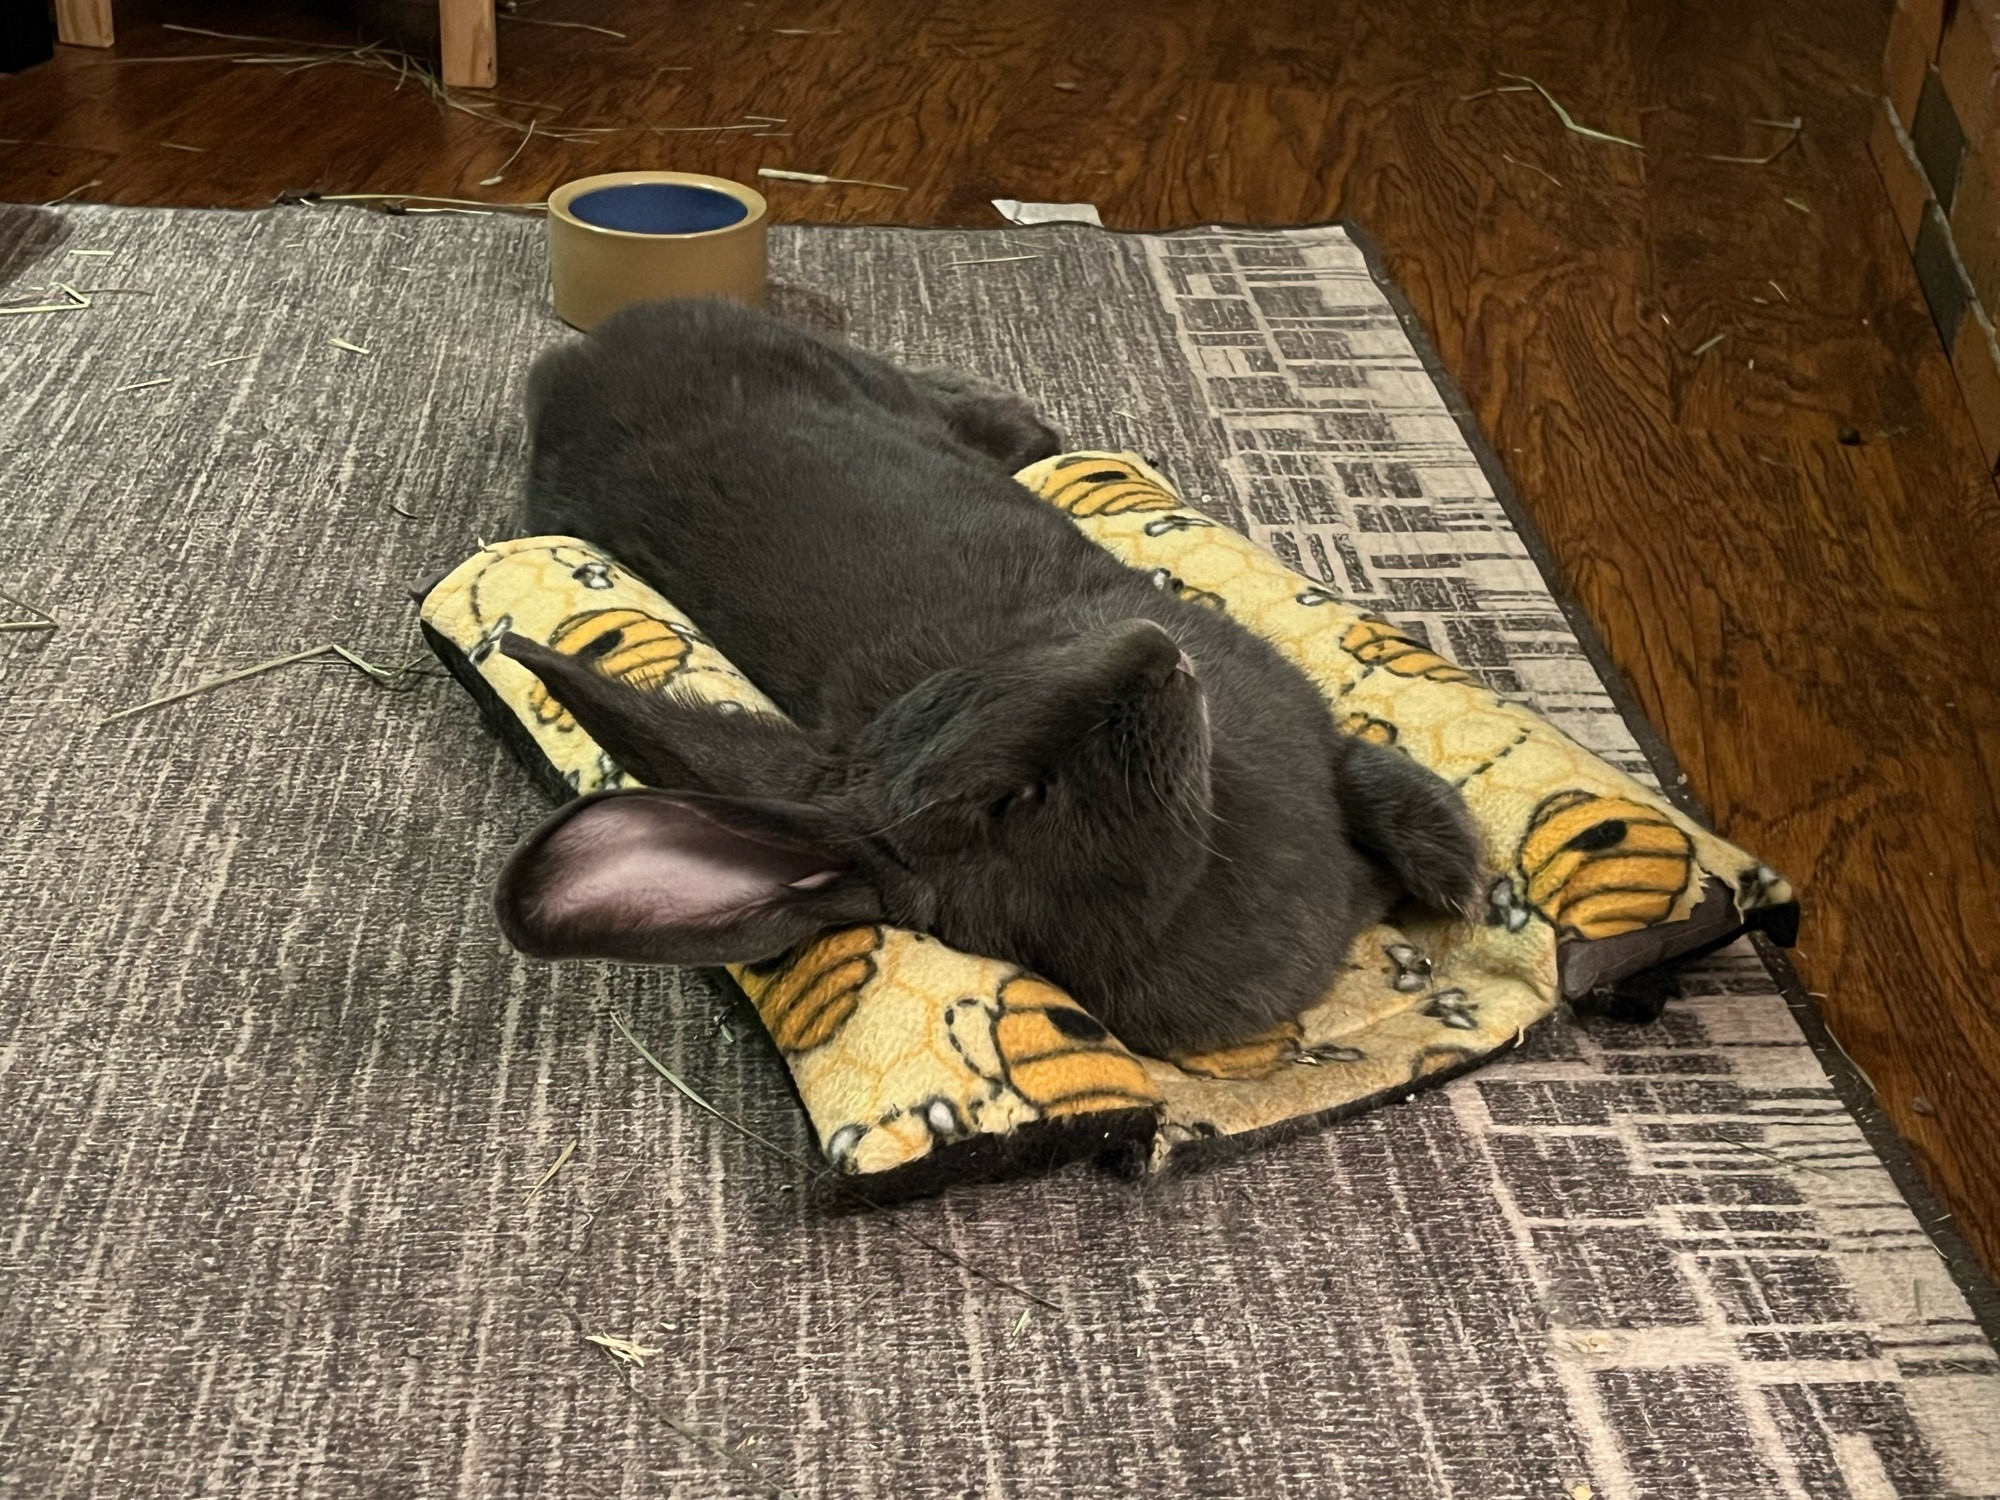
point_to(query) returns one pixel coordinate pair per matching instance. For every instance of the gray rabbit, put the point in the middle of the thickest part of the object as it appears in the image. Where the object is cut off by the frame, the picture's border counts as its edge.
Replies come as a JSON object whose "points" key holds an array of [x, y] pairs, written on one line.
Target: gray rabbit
{"points": [[1000, 734]]}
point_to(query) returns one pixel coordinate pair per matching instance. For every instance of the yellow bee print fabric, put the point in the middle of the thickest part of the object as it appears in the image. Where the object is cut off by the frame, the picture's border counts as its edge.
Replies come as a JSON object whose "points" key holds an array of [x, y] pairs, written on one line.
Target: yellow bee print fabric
{"points": [[912, 1059]]}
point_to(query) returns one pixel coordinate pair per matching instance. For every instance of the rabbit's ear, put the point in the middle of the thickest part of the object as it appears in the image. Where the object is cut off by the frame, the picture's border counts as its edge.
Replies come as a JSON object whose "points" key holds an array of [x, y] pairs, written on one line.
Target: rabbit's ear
{"points": [[1410, 822], [650, 878], [673, 743]]}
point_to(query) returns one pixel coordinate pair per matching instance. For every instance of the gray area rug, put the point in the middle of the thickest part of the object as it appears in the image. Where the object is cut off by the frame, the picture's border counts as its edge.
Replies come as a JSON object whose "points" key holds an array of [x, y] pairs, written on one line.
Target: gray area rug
{"points": [[277, 1098]]}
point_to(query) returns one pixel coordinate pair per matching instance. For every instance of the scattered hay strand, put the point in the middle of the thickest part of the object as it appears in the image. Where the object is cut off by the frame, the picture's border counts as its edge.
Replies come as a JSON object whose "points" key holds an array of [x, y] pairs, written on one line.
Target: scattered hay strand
{"points": [[90, 252], [820, 177], [1532, 168], [394, 678], [497, 176], [350, 348], [565, 25], [142, 385], [1778, 289], [177, 146], [1705, 345], [394, 201], [1019, 1323], [227, 359], [805, 31], [76, 302], [372, 56], [681, 1087], [993, 260], [239, 36], [1801, 207], [623, 1350], [1795, 126], [42, 620], [1774, 1156], [82, 187], [1569, 121], [1846, 1057], [549, 1176], [855, 1311]]}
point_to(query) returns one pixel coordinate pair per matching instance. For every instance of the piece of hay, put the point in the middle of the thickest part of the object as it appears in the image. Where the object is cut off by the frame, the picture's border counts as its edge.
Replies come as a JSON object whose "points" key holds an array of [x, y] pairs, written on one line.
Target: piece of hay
{"points": [[1569, 123], [1796, 126], [1705, 345], [782, 175], [682, 1087], [73, 301], [1532, 168], [566, 25], [350, 348], [396, 199], [394, 678], [549, 1176], [42, 620], [626, 1351], [516, 156], [376, 57], [82, 187]]}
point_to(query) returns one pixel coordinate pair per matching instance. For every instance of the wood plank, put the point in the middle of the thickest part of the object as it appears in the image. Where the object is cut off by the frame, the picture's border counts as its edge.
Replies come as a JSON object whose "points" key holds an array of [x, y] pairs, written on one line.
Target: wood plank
{"points": [[469, 41], [84, 23], [1808, 619]]}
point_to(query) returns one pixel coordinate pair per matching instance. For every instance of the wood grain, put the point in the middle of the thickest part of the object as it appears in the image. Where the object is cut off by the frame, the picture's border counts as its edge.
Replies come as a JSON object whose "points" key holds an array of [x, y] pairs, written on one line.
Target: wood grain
{"points": [[1786, 537], [84, 23]]}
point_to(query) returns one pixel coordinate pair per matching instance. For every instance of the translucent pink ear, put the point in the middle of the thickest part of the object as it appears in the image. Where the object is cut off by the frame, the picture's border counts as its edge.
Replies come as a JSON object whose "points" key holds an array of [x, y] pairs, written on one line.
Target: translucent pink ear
{"points": [[651, 878]]}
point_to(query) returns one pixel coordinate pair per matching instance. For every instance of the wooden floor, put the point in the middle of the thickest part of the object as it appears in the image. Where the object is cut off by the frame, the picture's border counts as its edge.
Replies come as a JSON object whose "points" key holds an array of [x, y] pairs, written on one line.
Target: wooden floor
{"points": [[1786, 536]]}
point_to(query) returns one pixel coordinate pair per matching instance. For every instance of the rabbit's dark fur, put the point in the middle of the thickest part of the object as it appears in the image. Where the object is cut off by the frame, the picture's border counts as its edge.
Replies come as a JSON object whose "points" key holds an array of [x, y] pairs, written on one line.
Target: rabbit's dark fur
{"points": [[1004, 736]]}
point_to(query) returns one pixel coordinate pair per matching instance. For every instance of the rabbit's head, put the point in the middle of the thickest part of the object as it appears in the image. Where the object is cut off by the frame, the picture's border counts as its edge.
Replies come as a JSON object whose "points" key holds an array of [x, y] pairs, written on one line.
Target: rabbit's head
{"points": [[992, 805]]}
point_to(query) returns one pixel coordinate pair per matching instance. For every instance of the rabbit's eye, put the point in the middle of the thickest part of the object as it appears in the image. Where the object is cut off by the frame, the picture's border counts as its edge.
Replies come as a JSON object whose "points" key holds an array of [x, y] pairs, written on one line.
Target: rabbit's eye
{"points": [[1025, 797]]}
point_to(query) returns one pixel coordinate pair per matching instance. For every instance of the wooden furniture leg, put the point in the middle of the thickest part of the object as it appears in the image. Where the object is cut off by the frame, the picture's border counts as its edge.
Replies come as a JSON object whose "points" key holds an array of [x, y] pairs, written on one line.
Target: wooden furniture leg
{"points": [[467, 32], [84, 23]]}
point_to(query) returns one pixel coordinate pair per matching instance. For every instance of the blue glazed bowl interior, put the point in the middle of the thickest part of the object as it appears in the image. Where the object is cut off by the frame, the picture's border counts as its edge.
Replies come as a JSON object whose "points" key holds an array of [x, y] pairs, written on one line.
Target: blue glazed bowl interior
{"points": [[658, 208]]}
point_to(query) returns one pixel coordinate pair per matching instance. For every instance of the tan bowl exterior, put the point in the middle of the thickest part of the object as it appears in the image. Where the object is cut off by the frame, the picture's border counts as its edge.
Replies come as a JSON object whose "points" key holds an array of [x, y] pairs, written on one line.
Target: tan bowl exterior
{"points": [[594, 272]]}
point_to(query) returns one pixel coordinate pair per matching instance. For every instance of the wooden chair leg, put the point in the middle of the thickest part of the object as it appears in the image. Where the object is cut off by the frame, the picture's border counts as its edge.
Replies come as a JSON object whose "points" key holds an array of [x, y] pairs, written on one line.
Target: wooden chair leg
{"points": [[84, 23], [467, 30]]}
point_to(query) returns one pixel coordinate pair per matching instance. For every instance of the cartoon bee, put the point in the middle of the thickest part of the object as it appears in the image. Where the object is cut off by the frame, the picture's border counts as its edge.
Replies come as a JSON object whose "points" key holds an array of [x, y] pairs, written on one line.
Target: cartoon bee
{"points": [[1049, 1050], [1368, 727], [628, 644], [1096, 485], [1375, 642], [1598, 866], [1250, 1059], [808, 994]]}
